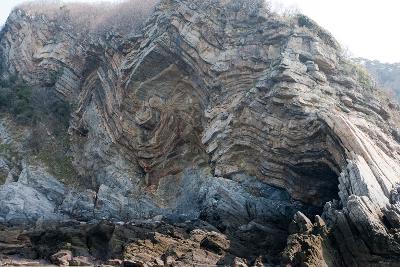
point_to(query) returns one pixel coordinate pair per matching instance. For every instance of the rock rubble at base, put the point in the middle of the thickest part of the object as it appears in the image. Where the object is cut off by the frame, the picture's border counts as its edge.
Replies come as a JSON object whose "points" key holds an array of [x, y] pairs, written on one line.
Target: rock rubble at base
{"points": [[132, 244], [212, 112]]}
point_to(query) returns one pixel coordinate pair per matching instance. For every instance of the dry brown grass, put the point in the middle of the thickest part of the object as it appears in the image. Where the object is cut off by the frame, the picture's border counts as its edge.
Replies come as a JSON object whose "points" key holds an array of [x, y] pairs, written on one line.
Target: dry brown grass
{"points": [[123, 16]]}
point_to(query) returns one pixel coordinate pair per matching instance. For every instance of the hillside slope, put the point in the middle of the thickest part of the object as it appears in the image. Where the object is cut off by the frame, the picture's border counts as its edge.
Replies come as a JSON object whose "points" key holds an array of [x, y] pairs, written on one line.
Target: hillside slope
{"points": [[387, 75]]}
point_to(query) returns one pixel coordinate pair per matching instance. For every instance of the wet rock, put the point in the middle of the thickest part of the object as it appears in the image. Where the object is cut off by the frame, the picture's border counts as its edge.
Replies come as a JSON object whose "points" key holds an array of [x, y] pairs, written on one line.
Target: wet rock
{"points": [[98, 240], [134, 263], [215, 242], [79, 205], [301, 224], [114, 262], [109, 203], [63, 257], [80, 261]]}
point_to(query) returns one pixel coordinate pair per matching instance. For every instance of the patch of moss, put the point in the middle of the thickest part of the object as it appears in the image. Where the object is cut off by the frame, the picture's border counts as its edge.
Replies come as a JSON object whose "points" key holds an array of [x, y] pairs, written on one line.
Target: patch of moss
{"points": [[5, 148], [59, 165], [54, 75], [8, 82], [364, 78], [360, 73], [8, 151], [2, 179], [304, 21], [47, 114], [16, 98]]}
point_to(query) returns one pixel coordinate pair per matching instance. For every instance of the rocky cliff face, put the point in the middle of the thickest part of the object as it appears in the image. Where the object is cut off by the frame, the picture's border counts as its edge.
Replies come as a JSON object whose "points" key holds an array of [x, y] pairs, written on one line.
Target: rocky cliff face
{"points": [[217, 114]]}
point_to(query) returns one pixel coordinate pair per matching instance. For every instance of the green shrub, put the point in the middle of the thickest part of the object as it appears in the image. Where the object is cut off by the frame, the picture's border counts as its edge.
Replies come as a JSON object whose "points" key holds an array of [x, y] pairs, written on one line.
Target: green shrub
{"points": [[8, 151], [304, 21], [48, 116], [29, 108], [16, 99], [2, 179], [8, 82], [54, 75], [4, 148], [5, 97], [21, 106], [59, 164], [360, 73], [61, 110]]}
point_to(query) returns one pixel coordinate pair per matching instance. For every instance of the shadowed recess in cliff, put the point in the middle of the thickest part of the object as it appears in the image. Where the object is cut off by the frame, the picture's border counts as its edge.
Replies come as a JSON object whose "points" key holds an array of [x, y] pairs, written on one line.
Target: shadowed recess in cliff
{"points": [[318, 179], [298, 152]]}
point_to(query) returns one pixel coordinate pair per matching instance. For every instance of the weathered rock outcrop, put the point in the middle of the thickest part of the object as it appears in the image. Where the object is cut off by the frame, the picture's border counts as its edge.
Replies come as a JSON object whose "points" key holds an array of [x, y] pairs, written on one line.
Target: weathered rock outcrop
{"points": [[216, 111]]}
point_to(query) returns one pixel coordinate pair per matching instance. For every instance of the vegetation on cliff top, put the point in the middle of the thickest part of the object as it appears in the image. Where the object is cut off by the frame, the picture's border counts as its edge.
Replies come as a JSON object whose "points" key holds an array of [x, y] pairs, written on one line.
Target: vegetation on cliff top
{"points": [[122, 16], [386, 75]]}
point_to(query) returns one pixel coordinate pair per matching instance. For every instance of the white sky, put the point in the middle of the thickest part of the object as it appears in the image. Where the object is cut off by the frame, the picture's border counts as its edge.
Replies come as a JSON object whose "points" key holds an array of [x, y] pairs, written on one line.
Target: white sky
{"points": [[368, 28]]}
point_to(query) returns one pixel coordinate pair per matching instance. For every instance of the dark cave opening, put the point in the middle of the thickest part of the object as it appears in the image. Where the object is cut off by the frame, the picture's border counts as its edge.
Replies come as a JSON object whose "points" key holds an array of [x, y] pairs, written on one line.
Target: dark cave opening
{"points": [[316, 180]]}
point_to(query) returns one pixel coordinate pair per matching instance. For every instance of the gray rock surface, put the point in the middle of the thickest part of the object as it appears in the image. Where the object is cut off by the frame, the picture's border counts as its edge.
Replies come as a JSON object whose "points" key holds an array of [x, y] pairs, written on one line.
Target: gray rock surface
{"points": [[79, 205], [40, 180], [21, 204]]}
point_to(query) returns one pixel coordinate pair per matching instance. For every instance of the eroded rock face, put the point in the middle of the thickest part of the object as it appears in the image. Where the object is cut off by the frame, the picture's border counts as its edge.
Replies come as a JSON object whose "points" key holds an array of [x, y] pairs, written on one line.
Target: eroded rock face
{"points": [[216, 111]]}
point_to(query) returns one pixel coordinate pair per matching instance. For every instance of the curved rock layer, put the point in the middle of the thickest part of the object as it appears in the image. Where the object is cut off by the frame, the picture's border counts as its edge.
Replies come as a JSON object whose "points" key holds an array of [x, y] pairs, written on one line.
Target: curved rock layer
{"points": [[215, 111]]}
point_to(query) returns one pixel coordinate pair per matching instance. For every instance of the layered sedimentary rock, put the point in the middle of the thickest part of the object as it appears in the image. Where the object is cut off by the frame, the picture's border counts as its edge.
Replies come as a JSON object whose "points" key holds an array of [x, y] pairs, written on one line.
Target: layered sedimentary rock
{"points": [[219, 112]]}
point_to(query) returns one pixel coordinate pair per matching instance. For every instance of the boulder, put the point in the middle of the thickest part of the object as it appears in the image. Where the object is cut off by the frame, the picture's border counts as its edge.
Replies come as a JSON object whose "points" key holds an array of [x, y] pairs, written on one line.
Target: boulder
{"points": [[62, 258]]}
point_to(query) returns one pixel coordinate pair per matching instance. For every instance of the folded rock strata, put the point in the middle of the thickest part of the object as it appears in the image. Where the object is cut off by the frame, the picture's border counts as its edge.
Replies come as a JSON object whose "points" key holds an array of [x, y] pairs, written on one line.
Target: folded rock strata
{"points": [[218, 112]]}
